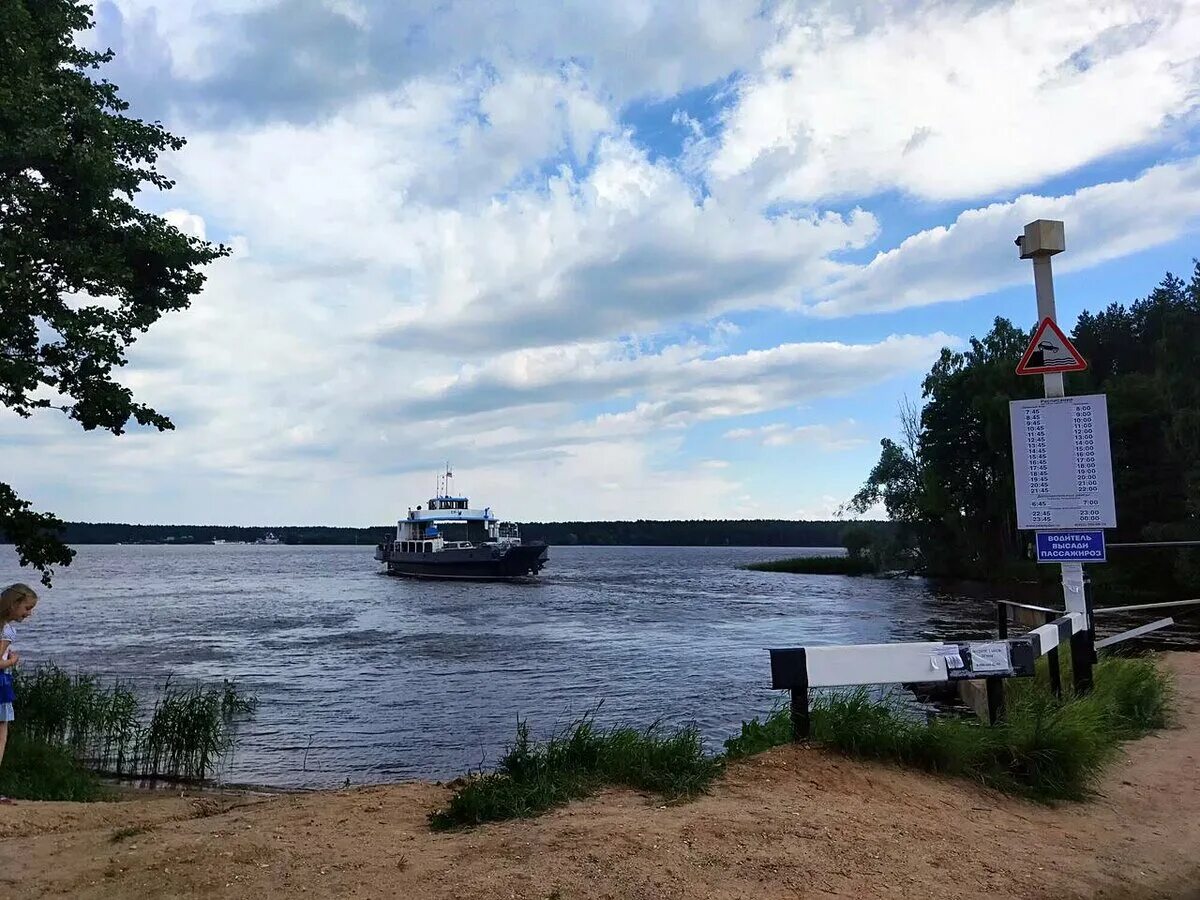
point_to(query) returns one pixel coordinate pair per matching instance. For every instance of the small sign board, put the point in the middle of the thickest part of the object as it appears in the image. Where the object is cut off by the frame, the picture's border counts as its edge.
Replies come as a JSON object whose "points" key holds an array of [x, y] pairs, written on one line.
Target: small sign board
{"points": [[1070, 546], [977, 659], [1050, 351], [990, 658], [1062, 463]]}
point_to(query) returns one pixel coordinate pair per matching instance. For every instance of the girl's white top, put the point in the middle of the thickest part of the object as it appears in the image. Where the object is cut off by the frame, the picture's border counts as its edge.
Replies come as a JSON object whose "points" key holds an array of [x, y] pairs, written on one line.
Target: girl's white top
{"points": [[9, 634]]}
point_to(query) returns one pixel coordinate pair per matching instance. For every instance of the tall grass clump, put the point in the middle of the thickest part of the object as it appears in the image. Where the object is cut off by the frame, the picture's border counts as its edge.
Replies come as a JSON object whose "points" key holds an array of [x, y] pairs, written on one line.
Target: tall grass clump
{"points": [[1045, 749], [583, 758], [1138, 695], [37, 770], [75, 713], [758, 737], [108, 730], [187, 733]]}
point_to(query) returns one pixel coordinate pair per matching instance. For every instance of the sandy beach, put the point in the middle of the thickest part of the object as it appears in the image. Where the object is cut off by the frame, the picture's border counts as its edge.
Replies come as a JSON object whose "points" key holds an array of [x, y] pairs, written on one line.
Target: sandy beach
{"points": [[795, 822]]}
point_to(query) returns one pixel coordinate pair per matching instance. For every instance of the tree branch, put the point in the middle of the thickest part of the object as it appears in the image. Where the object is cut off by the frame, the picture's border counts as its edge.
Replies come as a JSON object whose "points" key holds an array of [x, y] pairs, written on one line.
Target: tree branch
{"points": [[36, 535]]}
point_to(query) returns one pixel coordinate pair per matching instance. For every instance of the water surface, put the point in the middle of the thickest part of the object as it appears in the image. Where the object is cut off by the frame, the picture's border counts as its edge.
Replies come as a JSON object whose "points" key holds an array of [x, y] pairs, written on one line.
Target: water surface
{"points": [[365, 677]]}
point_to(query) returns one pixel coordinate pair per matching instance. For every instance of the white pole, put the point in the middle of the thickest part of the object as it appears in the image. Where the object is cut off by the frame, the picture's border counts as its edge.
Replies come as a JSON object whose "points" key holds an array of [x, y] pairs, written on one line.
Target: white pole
{"points": [[1043, 285], [1041, 240]]}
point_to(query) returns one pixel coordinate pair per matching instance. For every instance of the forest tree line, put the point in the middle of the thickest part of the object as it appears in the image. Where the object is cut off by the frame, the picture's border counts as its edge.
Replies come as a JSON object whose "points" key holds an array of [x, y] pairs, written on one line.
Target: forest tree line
{"points": [[693, 533], [947, 480], [699, 533]]}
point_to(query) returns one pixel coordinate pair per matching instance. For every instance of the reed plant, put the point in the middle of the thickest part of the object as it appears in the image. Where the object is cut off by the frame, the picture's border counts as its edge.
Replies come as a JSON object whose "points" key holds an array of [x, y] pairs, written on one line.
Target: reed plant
{"points": [[186, 735], [578, 761], [108, 729]]}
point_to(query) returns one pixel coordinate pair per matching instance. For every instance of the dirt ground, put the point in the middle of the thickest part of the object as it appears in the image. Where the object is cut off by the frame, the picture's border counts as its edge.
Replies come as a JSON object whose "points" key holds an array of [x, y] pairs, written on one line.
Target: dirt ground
{"points": [[796, 822]]}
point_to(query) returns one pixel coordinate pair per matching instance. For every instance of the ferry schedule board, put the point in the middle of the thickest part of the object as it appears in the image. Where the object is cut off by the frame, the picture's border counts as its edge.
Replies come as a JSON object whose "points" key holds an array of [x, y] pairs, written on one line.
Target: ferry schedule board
{"points": [[1062, 463]]}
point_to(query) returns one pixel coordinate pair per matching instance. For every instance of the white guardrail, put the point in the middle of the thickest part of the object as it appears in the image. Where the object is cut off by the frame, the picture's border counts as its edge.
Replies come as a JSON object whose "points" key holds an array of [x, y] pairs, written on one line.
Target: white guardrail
{"points": [[800, 668]]}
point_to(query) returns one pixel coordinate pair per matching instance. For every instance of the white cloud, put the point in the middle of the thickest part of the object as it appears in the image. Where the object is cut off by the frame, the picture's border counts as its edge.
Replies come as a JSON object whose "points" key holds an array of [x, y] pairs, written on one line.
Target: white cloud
{"points": [[954, 100], [464, 250], [189, 223], [679, 380], [840, 436], [976, 253], [825, 507], [415, 189], [298, 58]]}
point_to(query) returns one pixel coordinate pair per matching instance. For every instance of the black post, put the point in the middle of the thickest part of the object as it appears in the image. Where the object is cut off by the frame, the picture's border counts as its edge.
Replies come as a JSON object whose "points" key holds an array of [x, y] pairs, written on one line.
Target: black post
{"points": [[1055, 667], [995, 699], [1002, 619], [789, 671], [1083, 646], [801, 720]]}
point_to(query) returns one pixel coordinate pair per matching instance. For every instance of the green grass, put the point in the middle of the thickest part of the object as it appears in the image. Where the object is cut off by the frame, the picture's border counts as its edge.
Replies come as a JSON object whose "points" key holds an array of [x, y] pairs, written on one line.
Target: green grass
{"points": [[533, 777], [71, 722], [1045, 749], [816, 565], [36, 770]]}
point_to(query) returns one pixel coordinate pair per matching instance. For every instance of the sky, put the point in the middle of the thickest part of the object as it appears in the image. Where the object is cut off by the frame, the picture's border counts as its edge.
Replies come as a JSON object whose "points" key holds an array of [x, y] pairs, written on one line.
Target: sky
{"points": [[608, 260]]}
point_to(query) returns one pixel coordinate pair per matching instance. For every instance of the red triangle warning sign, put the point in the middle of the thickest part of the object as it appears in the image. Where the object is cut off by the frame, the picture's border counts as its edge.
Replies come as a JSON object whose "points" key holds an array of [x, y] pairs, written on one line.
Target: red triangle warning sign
{"points": [[1050, 352]]}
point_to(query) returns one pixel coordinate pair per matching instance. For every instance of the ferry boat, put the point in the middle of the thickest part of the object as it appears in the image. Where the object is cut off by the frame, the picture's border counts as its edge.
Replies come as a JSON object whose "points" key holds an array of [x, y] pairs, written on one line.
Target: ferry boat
{"points": [[450, 539]]}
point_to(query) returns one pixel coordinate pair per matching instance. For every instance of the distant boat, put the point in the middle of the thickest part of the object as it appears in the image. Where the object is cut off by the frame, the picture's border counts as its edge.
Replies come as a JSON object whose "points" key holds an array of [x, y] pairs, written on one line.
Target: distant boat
{"points": [[268, 538], [451, 540], [218, 541]]}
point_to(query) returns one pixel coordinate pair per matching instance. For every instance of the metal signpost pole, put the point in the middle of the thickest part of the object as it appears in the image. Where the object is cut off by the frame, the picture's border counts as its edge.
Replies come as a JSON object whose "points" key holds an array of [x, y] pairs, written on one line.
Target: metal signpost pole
{"points": [[1041, 240]]}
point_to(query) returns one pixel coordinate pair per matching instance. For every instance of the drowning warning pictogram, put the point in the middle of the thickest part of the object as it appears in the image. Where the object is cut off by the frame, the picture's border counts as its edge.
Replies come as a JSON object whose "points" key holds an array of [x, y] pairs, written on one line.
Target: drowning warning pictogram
{"points": [[1050, 352]]}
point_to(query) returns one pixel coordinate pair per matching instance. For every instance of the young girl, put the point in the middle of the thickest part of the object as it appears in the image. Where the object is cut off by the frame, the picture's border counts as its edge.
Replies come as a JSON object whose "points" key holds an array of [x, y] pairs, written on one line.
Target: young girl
{"points": [[16, 603]]}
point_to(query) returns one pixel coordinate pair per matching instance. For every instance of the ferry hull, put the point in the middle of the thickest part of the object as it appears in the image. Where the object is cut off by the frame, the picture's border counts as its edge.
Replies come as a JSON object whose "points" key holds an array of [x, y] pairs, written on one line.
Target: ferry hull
{"points": [[486, 563]]}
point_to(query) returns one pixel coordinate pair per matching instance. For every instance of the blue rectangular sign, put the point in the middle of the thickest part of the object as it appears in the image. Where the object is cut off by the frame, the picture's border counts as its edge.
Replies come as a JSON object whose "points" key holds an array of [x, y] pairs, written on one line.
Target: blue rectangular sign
{"points": [[1070, 546]]}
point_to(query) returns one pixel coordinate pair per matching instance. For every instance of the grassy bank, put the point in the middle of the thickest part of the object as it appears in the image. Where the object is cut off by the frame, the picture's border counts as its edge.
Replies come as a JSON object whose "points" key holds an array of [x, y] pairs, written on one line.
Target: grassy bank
{"points": [[816, 565], [533, 777], [1046, 749], [69, 726]]}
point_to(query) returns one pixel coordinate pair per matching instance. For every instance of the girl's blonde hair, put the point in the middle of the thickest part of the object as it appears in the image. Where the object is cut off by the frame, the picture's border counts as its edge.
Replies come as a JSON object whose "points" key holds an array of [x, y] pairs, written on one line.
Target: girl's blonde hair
{"points": [[11, 596]]}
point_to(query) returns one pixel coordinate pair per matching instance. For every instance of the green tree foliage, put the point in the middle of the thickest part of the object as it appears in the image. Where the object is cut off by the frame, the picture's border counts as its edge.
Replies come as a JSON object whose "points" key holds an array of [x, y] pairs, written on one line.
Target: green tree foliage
{"points": [[857, 541], [83, 271], [949, 483]]}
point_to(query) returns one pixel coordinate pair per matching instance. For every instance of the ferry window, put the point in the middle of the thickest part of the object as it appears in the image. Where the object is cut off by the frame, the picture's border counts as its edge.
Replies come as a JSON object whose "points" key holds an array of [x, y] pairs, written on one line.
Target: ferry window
{"points": [[428, 546]]}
